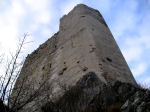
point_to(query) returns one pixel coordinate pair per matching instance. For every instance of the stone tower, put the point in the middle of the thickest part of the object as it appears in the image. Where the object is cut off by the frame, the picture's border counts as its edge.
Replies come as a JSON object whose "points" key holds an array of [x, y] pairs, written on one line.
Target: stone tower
{"points": [[83, 44]]}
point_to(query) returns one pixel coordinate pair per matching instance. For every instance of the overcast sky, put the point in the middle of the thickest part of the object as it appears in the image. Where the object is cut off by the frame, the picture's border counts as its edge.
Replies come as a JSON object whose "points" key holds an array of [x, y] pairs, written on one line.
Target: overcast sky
{"points": [[128, 20]]}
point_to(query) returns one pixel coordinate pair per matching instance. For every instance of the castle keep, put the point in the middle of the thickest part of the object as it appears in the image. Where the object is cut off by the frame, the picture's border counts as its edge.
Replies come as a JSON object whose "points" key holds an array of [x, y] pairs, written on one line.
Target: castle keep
{"points": [[83, 44]]}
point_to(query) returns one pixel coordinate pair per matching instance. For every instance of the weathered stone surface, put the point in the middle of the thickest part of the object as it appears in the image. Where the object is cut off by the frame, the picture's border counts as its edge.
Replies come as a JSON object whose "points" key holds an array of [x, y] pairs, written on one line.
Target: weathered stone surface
{"points": [[84, 43], [139, 102]]}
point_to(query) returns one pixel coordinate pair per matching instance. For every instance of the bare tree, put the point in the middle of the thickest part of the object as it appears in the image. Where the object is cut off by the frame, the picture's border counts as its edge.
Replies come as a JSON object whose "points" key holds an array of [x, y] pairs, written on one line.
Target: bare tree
{"points": [[8, 79], [12, 71]]}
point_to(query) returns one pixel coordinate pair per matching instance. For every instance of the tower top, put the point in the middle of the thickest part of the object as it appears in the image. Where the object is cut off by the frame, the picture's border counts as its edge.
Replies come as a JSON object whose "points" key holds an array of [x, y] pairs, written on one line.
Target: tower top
{"points": [[79, 11]]}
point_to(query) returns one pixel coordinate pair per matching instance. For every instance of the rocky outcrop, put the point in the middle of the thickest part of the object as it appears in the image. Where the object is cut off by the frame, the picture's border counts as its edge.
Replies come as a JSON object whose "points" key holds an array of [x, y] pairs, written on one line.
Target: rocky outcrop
{"points": [[91, 95]]}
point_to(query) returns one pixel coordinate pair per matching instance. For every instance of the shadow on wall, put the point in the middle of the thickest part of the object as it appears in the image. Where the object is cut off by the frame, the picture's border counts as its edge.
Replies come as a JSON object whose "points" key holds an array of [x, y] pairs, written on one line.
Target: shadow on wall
{"points": [[91, 95]]}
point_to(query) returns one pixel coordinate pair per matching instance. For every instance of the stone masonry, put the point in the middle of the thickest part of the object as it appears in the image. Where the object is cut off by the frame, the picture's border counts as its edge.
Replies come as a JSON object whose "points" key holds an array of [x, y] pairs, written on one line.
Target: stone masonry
{"points": [[83, 44]]}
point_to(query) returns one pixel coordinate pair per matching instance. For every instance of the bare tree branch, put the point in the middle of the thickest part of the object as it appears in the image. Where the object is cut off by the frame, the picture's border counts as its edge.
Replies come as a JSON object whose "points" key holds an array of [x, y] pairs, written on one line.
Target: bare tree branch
{"points": [[13, 67]]}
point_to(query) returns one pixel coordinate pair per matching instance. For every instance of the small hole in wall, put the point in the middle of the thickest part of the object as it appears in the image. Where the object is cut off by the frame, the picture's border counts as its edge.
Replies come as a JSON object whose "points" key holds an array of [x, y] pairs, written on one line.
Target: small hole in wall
{"points": [[100, 64], [78, 61], [92, 49], [103, 60], [84, 69], [43, 68], [108, 59], [50, 65], [62, 71], [82, 16], [64, 63]]}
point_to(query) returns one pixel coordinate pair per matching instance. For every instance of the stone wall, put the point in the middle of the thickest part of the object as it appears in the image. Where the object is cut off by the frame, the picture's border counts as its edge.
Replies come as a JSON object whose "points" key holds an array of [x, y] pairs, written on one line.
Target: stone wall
{"points": [[84, 43]]}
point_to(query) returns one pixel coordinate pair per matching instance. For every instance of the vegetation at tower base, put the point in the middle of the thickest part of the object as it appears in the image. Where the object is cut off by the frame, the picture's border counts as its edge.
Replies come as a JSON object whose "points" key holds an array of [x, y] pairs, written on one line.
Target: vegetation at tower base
{"points": [[91, 95]]}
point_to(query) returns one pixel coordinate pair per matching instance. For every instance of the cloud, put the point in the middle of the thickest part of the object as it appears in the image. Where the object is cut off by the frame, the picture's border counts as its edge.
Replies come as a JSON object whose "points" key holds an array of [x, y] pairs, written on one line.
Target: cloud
{"points": [[136, 47], [139, 69], [132, 53], [46, 32], [40, 10], [124, 17], [9, 25], [19, 17]]}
